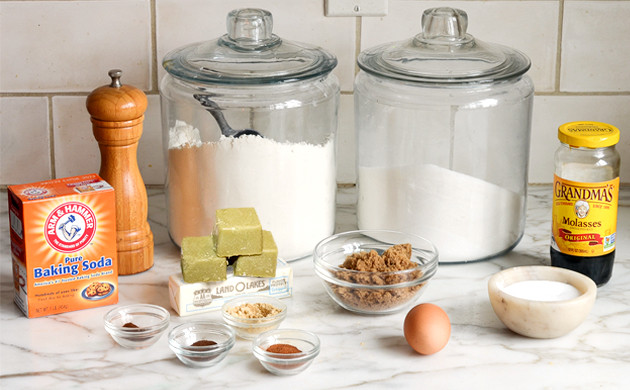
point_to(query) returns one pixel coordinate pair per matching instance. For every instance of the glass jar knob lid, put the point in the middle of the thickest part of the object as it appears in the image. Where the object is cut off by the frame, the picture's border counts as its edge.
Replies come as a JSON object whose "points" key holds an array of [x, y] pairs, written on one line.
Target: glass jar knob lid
{"points": [[444, 53], [250, 29], [249, 53]]}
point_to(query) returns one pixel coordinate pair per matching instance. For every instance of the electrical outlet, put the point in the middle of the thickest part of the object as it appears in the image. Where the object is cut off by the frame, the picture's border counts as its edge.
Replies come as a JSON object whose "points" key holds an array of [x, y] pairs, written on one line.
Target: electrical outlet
{"points": [[355, 7]]}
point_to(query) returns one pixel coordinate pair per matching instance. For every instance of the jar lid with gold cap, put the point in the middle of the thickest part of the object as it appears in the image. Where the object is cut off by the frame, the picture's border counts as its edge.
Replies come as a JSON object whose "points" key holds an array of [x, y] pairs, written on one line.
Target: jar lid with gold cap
{"points": [[588, 134]]}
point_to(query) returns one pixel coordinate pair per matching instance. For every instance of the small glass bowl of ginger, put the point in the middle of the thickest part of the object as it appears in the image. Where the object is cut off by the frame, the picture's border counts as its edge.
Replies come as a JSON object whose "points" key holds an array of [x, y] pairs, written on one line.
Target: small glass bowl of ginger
{"points": [[251, 315], [286, 351]]}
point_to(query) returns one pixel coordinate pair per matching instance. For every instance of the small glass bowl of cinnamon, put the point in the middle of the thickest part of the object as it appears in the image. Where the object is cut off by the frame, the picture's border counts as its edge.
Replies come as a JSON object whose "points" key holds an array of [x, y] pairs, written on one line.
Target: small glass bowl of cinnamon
{"points": [[286, 351], [137, 326], [201, 343]]}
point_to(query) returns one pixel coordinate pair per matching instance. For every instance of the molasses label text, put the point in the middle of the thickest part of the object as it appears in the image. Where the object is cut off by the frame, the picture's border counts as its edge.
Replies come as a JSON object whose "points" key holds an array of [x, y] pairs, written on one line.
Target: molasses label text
{"points": [[584, 217]]}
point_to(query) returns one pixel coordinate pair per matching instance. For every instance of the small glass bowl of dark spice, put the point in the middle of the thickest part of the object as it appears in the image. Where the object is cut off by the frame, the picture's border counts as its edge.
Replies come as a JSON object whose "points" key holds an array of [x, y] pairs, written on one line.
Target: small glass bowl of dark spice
{"points": [[375, 271], [201, 343], [137, 326], [286, 351]]}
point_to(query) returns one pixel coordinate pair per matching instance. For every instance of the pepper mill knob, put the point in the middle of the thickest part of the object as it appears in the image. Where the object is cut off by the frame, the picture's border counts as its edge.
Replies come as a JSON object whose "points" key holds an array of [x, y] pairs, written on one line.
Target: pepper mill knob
{"points": [[117, 113]]}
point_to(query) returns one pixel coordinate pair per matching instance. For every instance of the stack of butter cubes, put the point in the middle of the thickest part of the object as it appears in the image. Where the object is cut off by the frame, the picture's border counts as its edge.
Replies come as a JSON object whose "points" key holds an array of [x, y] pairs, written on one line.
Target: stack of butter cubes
{"points": [[238, 238]]}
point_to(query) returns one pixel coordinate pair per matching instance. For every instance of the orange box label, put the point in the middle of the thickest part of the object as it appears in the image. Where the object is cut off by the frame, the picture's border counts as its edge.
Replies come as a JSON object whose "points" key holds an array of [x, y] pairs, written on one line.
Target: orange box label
{"points": [[63, 245]]}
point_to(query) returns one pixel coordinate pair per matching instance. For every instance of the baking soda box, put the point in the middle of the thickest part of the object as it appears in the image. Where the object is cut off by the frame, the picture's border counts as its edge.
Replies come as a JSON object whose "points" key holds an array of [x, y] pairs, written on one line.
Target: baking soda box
{"points": [[63, 245]]}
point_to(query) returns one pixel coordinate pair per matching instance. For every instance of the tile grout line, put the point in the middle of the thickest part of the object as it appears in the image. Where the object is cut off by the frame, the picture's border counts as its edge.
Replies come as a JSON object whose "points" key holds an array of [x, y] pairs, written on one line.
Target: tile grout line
{"points": [[51, 137], [357, 47], [154, 60], [559, 46]]}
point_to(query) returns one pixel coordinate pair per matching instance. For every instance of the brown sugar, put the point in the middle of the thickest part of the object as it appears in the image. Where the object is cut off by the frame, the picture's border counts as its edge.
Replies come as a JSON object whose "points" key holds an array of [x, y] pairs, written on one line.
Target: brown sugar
{"points": [[378, 270], [396, 258]]}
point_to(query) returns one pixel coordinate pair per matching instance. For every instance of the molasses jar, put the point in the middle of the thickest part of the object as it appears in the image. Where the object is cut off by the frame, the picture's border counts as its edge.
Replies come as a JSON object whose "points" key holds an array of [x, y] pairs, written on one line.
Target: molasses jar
{"points": [[249, 120], [443, 124], [585, 198]]}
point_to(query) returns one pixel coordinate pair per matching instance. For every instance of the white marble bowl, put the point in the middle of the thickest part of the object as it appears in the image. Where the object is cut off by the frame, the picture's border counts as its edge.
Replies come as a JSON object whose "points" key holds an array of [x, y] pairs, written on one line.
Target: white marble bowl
{"points": [[285, 364], [249, 328], [182, 337], [367, 292], [543, 314], [138, 325]]}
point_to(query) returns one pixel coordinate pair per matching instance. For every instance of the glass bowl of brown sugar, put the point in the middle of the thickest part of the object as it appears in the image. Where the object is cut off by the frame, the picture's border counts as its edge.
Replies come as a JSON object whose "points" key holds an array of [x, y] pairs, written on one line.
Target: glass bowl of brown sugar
{"points": [[137, 325], [201, 343], [286, 351], [375, 271]]}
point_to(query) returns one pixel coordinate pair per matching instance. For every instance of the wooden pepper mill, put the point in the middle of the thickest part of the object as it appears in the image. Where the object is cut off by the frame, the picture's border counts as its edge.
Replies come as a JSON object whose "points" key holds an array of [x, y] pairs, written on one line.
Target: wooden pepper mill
{"points": [[117, 113]]}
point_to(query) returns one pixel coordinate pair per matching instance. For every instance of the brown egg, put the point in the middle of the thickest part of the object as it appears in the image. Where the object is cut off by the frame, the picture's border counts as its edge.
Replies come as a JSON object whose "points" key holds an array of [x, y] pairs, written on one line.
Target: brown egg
{"points": [[427, 328]]}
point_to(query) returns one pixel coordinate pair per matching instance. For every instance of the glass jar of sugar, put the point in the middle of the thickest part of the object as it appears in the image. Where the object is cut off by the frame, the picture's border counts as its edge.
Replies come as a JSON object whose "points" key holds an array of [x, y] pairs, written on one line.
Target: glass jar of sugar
{"points": [[249, 120], [443, 128], [585, 199]]}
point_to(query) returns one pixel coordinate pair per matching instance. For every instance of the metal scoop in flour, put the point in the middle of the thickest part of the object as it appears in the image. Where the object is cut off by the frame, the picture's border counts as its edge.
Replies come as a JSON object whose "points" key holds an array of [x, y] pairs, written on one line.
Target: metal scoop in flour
{"points": [[216, 112]]}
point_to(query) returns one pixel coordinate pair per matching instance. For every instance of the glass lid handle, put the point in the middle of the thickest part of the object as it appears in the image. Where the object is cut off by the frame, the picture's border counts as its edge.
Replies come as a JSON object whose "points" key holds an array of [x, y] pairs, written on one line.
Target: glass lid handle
{"points": [[445, 25], [250, 29]]}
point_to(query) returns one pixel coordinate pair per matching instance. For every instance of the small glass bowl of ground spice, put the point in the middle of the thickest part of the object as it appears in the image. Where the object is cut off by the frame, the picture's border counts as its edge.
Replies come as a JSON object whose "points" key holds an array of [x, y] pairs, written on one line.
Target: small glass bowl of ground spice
{"points": [[375, 271], [253, 315], [137, 326], [286, 351], [201, 343]]}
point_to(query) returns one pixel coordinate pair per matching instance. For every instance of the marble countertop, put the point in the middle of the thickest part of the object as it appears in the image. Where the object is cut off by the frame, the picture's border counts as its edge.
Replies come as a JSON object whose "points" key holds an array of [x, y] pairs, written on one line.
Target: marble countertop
{"points": [[72, 350]]}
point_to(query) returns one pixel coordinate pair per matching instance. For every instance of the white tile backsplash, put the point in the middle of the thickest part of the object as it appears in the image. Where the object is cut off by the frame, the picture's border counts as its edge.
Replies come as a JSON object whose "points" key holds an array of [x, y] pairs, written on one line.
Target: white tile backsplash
{"points": [[76, 150], [552, 111], [67, 46], [53, 53], [596, 46], [24, 140]]}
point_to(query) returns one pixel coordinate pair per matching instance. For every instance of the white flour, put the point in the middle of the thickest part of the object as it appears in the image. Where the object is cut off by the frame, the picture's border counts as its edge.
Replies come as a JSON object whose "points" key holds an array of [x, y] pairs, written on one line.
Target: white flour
{"points": [[466, 218], [292, 187], [182, 135]]}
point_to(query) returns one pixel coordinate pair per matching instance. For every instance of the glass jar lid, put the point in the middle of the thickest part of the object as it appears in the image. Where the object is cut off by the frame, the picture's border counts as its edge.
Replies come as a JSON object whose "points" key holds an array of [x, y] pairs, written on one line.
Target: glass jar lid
{"points": [[248, 54], [443, 53]]}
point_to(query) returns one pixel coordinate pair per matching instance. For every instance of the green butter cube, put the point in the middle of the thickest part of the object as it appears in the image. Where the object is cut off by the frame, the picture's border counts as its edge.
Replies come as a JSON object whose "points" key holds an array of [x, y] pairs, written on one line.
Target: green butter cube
{"points": [[200, 262], [262, 265], [238, 232]]}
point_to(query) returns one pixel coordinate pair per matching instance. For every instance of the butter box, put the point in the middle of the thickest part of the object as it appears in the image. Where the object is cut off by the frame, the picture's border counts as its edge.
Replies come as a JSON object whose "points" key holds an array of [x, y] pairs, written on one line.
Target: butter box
{"points": [[193, 298], [63, 245]]}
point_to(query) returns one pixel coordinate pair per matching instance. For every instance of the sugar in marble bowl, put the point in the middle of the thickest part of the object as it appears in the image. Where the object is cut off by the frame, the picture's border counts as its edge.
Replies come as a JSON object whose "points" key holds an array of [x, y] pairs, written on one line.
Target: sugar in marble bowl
{"points": [[541, 301]]}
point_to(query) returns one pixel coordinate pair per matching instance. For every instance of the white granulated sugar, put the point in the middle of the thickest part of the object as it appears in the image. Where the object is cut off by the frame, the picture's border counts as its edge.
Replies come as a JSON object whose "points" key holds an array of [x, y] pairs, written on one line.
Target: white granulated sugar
{"points": [[542, 290], [292, 186], [466, 218]]}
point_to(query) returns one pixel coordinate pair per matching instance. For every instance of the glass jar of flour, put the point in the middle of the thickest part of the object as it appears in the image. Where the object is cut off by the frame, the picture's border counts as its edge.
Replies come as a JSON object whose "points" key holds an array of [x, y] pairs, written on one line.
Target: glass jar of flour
{"points": [[249, 120], [443, 130]]}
